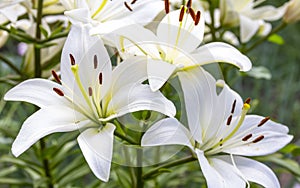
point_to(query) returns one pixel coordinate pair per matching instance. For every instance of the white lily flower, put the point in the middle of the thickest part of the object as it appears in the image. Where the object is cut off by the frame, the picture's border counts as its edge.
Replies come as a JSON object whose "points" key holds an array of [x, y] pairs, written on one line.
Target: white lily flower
{"points": [[88, 95], [292, 12], [219, 129], [175, 46], [246, 14], [110, 15]]}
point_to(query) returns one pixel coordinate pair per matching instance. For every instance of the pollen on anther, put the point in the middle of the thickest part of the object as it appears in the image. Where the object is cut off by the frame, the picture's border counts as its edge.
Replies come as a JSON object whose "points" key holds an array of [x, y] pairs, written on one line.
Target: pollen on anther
{"points": [[58, 92], [197, 19], [247, 101], [167, 6], [192, 13], [127, 6], [263, 121], [181, 14], [72, 59], [247, 137], [100, 78], [95, 62], [56, 77], [258, 139], [134, 1], [90, 91], [229, 120], [233, 106], [189, 4]]}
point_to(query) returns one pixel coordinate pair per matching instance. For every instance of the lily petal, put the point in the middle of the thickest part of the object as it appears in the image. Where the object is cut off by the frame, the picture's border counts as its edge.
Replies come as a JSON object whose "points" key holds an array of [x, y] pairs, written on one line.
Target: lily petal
{"points": [[44, 122], [219, 173], [248, 28], [97, 147], [37, 91], [168, 131], [158, 73], [221, 52], [78, 16]]}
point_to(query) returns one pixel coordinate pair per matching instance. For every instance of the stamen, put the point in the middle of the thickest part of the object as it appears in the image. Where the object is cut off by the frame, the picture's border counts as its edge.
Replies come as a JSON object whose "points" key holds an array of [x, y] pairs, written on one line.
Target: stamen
{"points": [[59, 92], [247, 137], [233, 106], [181, 14], [197, 19], [90, 91], [263, 121], [167, 6], [127, 6], [132, 2], [189, 4], [229, 120], [100, 78], [258, 139], [72, 59], [192, 13], [248, 100], [56, 77], [95, 62]]}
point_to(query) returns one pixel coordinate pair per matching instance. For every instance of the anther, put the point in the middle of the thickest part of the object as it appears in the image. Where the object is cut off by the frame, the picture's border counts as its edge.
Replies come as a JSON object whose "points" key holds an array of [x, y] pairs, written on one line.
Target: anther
{"points": [[90, 91], [127, 6], [132, 2], [247, 101], [72, 59], [258, 139], [247, 137], [233, 106], [229, 120], [197, 19], [56, 77], [100, 78], [181, 14], [192, 13], [167, 6], [95, 62], [189, 4], [263, 121], [58, 91]]}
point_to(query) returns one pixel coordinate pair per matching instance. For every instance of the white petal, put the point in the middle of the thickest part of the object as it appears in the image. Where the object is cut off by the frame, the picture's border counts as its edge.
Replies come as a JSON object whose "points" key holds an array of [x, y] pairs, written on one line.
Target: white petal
{"points": [[13, 12], [158, 73], [268, 13], [185, 35], [221, 52], [78, 16], [132, 98], [37, 91], [44, 122], [248, 28], [97, 147], [254, 171], [219, 173], [167, 132]]}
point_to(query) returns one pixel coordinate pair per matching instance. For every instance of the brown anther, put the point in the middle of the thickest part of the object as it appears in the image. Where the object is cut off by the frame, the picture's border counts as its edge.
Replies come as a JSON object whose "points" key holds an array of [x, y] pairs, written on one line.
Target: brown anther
{"points": [[181, 14], [247, 137], [90, 91], [56, 77], [258, 139], [263, 121], [95, 62], [233, 106], [229, 120], [248, 100], [197, 19], [127, 6], [59, 92], [72, 59], [192, 13], [132, 2], [189, 4], [167, 6], [100, 78]]}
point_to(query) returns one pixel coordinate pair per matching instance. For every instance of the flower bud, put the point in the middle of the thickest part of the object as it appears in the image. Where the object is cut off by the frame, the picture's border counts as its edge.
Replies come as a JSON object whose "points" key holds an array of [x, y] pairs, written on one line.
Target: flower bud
{"points": [[292, 13]]}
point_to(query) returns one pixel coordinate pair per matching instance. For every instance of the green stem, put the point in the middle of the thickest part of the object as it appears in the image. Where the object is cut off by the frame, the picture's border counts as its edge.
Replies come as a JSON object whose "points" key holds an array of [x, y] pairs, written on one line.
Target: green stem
{"points": [[212, 25], [123, 137], [10, 64], [139, 169], [168, 165], [261, 40]]}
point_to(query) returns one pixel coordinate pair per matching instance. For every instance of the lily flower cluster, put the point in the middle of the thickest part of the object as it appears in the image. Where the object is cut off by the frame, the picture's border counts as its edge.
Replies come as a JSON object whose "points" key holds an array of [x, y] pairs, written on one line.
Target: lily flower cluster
{"points": [[89, 92]]}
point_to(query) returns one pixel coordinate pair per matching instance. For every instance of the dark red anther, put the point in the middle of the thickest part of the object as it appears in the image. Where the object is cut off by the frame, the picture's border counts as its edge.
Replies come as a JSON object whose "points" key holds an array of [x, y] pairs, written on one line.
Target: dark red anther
{"points": [[58, 92], [72, 59], [229, 120], [197, 19], [258, 139], [56, 77], [263, 121], [233, 106], [248, 100], [132, 2], [192, 13], [189, 4], [247, 137], [127, 6], [95, 62], [90, 91], [181, 14], [167, 6], [100, 78]]}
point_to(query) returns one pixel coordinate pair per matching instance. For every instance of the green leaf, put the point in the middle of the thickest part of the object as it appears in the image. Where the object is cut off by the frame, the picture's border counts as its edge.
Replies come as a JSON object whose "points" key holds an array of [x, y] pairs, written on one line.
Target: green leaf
{"points": [[277, 39], [7, 171], [291, 149], [44, 31], [13, 181]]}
